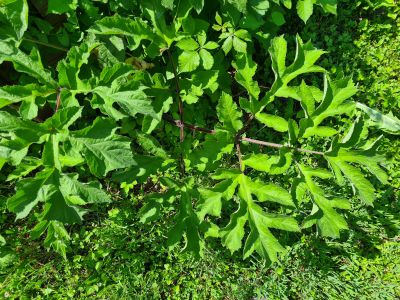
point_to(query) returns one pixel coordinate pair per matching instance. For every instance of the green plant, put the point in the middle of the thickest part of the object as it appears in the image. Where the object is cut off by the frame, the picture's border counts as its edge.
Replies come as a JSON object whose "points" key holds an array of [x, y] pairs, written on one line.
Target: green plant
{"points": [[134, 71]]}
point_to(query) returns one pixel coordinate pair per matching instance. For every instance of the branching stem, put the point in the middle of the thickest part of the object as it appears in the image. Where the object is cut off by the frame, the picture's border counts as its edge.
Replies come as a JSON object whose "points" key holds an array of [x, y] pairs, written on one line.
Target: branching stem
{"points": [[244, 139], [180, 123]]}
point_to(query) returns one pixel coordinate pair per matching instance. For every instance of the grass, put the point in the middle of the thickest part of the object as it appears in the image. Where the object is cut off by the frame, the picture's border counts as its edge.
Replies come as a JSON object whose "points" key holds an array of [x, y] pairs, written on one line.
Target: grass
{"points": [[115, 257]]}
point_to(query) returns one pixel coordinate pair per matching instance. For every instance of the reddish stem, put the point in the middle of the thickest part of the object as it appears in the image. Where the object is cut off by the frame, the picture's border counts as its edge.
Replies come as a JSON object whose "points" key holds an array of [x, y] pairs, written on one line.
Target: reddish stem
{"points": [[245, 139]]}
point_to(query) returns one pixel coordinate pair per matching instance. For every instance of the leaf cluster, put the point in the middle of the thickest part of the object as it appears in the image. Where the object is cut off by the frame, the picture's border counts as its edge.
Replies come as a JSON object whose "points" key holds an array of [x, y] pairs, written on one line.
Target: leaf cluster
{"points": [[158, 69]]}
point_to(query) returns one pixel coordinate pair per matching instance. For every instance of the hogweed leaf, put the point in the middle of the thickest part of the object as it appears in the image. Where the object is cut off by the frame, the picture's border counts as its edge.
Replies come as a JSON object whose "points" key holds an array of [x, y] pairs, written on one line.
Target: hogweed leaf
{"points": [[388, 123], [278, 123], [29, 64], [334, 102], [103, 150], [186, 224], [245, 70], [228, 113], [132, 102], [232, 235], [260, 238], [273, 165], [14, 16], [304, 62], [341, 159], [143, 167], [134, 28], [324, 215]]}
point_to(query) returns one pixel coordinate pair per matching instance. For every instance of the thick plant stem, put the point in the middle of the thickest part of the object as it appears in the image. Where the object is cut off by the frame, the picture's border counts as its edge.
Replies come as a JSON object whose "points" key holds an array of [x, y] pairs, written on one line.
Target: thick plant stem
{"points": [[239, 155], [238, 139], [274, 145], [244, 139], [186, 125], [58, 101], [246, 126], [180, 108]]}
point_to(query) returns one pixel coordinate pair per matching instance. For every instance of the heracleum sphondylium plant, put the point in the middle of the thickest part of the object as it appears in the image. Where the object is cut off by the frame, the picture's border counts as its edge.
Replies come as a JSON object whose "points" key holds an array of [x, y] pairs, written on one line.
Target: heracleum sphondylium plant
{"points": [[167, 66]]}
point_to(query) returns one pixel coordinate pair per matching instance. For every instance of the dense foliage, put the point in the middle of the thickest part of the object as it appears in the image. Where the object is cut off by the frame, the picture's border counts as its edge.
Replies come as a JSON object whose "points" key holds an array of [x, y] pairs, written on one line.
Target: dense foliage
{"points": [[139, 78], [113, 255]]}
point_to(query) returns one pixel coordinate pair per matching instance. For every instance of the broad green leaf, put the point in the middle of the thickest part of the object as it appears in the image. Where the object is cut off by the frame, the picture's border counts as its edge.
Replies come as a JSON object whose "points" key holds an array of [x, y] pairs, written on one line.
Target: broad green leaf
{"points": [[322, 131], [69, 68], [61, 6], [187, 44], [110, 74], [186, 223], [103, 150], [63, 118], [329, 6], [156, 14], [306, 56], [228, 113], [277, 18], [207, 154], [260, 238], [161, 103], [240, 5], [340, 158], [304, 62], [135, 28], [365, 189], [304, 9], [14, 19], [168, 4], [53, 189], [273, 121], [245, 70], [201, 82], [307, 99], [57, 237], [210, 45], [260, 6], [335, 102], [29, 64], [388, 123], [188, 61], [151, 145], [323, 214], [206, 58], [132, 102], [271, 192], [15, 150], [11, 123], [209, 204], [28, 165], [89, 192], [145, 167], [50, 154], [271, 164], [239, 45], [232, 235], [29, 192], [278, 51], [227, 45]]}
